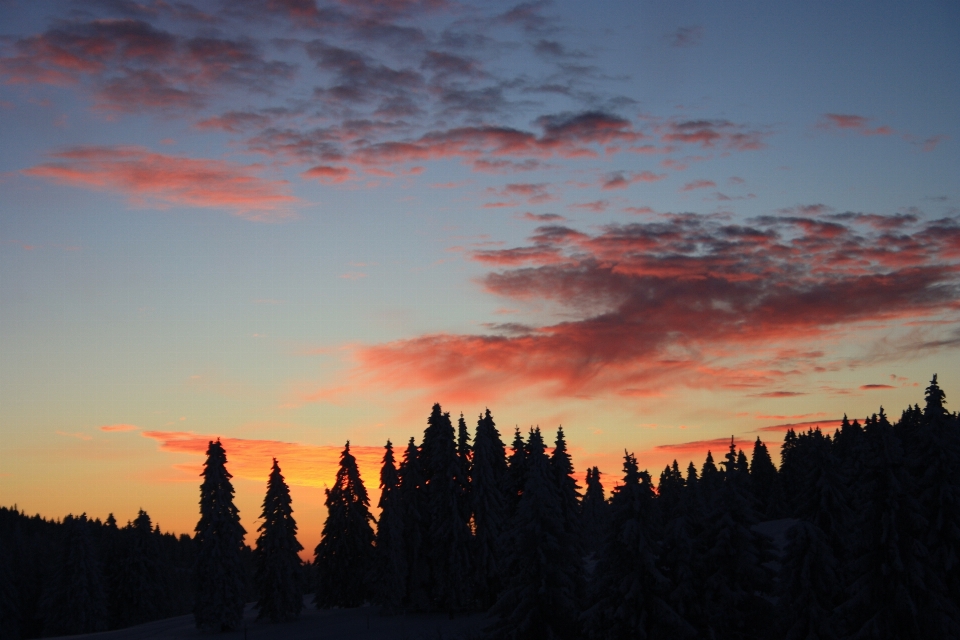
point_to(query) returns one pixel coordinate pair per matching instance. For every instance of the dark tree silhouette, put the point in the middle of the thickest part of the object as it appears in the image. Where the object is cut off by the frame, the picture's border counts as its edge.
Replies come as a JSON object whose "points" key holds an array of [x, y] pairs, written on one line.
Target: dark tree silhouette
{"points": [[488, 476], [279, 596], [344, 557], [76, 601], [539, 597], [219, 574], [890, 580], [414, 517], [765, 482], [138, 581], [449, 539], [630, 595], [516, 472], [594, 511], [391, 573]]}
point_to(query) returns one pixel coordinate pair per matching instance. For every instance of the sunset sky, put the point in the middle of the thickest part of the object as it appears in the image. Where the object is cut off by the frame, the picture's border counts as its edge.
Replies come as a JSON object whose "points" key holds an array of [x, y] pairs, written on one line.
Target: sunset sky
{"points": [[290, 223]]}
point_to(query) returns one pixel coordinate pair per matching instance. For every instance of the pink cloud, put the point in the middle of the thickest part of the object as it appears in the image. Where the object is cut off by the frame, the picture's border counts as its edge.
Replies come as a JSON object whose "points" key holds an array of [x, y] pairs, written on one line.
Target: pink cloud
{"points": [[158, 180], [678, 301], [698, 184], [621, 180], [329, 174], [119, 427], [855, 123]]}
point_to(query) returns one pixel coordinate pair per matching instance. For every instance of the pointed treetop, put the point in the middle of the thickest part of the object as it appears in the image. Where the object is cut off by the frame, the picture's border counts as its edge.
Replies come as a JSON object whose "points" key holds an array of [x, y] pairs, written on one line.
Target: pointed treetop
{"points": [[936, 398]]}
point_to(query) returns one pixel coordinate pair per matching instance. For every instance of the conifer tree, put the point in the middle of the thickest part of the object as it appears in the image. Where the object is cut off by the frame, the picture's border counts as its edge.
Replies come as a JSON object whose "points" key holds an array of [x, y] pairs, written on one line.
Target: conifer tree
{"points": [[516, 472], [734, 558], [681, 555], [562, 466], [765, 482], [279, 596], [539, 598], [414, 522], [140, 593], [892, 585], [488, 476], [391, 561], [344, 557], [936, 446], [219, 573], [76, 601], [710, 479], [465, 458], [630, 596], [595, 510], [448, 549], [670, 489]]}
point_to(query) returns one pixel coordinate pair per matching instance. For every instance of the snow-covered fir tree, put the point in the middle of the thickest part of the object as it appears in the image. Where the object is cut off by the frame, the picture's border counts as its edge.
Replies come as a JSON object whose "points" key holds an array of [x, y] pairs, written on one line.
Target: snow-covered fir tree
{"points": [[891, 582], [539, 598], [414, 522], [734, 557], [487, 479], [276, 580], [630, 594], [344, 557], [76, 601], [391, 565], [448, 535], [765, 482], [562, 466], [594, 511], [137, 582], [219, 573], [516, 477]]}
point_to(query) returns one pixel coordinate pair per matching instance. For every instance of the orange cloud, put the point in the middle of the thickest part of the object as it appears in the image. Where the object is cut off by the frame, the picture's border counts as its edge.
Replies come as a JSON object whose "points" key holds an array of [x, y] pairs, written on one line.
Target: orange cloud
{"points": [[303, 464], [119, 427], [158, 180], [827, 425]]}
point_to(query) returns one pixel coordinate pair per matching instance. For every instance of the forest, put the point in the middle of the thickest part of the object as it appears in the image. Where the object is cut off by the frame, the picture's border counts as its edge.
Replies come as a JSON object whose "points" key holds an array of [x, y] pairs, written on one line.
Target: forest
{"points": [[468, 523]]}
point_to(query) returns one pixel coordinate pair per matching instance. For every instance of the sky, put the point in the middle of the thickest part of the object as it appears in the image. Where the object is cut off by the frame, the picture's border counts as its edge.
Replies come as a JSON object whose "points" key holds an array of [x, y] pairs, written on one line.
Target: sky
{"points": [[293, 223]]}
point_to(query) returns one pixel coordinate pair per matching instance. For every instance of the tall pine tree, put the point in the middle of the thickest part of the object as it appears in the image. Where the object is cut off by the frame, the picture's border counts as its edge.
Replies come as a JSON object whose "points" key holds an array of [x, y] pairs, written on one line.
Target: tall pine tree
{"points": [[344, 557], [414, 522], [631, 594], [391, 569], [594, 511], [449, 538], [219, 573], [279, 595], [488, 476], [539, 599]]}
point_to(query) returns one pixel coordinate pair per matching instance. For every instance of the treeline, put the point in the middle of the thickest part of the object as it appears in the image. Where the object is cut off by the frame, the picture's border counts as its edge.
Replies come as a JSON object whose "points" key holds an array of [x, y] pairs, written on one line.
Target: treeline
{"points": [[80, 575], [871, 515]]}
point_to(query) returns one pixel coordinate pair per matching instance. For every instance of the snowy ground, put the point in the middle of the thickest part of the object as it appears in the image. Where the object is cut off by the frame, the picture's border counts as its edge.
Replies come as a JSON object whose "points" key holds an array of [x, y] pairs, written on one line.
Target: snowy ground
{"points": [[776, 530], [363, 623]]}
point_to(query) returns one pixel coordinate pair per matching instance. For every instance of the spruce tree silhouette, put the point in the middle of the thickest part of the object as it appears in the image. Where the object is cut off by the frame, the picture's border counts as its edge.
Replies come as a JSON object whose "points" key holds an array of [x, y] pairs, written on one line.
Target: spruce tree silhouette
{"points": [[276, 579], [539, 599], [488, 476], [516, 472], [630, 594], [140, 589], [76, 601], [449, 539], [891, 580], [219, 574], [765, 483], [594, 511], [465, 458], [344, 557], [735, 558], [936, 467], [415, 518], [391, 571]]}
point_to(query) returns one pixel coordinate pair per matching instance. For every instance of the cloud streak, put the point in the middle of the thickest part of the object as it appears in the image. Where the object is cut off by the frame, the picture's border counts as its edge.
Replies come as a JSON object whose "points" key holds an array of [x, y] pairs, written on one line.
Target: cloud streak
{"points": [[677, 301], [156, 180]]}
